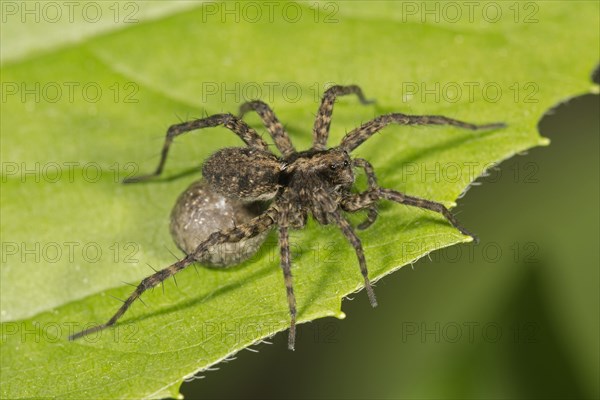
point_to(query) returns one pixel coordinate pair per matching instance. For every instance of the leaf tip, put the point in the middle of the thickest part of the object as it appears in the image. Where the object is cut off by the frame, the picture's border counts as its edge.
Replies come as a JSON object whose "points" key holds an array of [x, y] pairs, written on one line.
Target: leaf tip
{"points": [[544, 141]]}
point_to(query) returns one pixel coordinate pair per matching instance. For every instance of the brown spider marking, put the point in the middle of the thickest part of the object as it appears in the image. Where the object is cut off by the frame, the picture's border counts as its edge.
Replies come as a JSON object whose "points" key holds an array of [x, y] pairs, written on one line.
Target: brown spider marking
{"points": [[314, 182]]}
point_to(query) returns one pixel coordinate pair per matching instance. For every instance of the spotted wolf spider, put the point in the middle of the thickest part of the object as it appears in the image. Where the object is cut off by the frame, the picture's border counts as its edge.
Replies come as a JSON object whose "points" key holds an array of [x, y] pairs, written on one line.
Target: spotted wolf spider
{"points": [[313, 182]]}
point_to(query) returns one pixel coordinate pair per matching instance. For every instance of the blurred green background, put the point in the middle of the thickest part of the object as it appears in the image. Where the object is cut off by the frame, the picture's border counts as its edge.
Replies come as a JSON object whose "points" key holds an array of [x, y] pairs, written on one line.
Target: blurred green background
{"points": [[515, 316]]}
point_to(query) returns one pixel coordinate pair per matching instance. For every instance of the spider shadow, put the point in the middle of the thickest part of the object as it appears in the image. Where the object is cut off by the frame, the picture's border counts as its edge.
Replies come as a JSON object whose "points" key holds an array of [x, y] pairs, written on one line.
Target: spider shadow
{"points": [[453, 142], [304, 250], [328, 278], [262, 272], [181, 174], [320, 287], [259, 273], [327, 258]]}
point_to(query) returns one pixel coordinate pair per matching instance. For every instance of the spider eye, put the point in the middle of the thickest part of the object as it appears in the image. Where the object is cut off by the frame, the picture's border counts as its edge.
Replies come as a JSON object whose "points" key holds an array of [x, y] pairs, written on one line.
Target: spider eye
{"points": [[333, 166], [346, 163]]}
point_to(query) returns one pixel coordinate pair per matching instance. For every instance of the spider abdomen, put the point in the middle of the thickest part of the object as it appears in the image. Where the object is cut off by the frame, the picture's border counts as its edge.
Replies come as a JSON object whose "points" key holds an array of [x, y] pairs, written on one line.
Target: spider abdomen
{"points": [[243, 173]]}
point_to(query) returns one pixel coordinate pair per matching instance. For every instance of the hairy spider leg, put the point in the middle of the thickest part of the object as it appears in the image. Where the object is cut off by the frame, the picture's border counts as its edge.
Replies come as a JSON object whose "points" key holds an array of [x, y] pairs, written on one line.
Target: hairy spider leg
{"points": [[323, 120], [357, 136], [229, 121], [275, 128], [360, 201], [286, 266], [354, 240], [372, 183], [285, 261], [250, 229]]}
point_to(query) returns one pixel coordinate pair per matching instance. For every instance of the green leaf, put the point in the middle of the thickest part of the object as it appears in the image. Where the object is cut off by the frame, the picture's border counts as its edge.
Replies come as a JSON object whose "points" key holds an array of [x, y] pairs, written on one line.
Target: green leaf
{"points": [[80, 114]]}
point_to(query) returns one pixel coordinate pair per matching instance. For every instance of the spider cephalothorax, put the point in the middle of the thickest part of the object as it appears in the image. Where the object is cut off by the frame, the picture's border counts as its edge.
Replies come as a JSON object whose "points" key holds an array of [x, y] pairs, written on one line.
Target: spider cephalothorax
{"points": [[316, 183]]}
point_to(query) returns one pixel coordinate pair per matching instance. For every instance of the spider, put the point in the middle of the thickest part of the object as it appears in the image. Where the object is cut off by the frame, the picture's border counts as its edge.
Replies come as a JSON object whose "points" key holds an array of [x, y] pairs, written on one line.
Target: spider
{"points": [[313, 182]]}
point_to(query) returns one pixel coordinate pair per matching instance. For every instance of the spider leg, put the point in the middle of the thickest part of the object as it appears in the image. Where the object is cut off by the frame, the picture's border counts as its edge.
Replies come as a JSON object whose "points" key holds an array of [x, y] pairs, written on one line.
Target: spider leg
{"points": [[323, 121], [355, 202], [286, 265], [356, 137], [250, 229], [231, 122], [275, 128], [354, 240], [372, 184]]}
